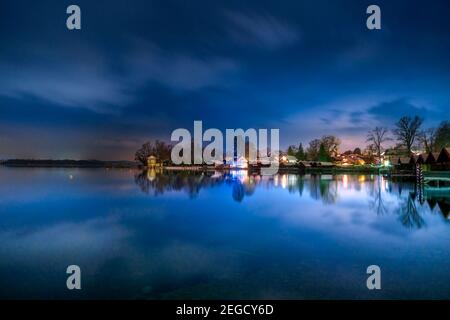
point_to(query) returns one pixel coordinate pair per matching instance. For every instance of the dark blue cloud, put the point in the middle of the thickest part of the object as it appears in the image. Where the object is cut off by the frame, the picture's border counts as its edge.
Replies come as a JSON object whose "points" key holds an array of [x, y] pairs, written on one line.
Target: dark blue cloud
{"points": [[393, 110]]}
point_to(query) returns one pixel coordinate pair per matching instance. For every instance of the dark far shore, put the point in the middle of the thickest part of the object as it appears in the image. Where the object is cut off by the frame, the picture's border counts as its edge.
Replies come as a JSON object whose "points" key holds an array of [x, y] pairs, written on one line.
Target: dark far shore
{"points": [[48, 163]]}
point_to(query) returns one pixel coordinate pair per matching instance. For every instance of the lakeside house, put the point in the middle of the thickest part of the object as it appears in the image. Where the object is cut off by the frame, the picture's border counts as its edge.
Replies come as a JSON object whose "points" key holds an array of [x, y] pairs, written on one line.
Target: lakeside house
{"points": [[304, 164], [240, 163], [421, 159], [392, 155], [431, 157], [323, 164], [444, 156], [152, 162], [231, 163], [317, 164], [442, 160], [413, 160], [289, 160], [433, 160], [351, 159], [404, 163]]}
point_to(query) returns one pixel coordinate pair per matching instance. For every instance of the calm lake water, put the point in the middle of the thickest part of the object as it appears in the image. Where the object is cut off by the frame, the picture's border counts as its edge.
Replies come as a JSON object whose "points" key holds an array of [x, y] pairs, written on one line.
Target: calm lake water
{"points": [[144, 235]]}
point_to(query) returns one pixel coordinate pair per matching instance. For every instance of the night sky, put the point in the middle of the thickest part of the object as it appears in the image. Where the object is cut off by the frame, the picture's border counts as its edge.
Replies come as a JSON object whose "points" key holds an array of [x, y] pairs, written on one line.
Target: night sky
{"points": [[140, 69]]}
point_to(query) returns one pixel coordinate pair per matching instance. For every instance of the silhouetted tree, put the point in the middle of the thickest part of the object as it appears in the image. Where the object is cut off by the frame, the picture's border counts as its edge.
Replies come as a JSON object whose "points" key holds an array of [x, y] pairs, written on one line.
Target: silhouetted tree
{"points": [[407, 130], [144, 152], [313, 149], [377, 136], [331, 145], [428, 139], [323, 154], [159, 149], [443, 136], [292, 150], [162, 150], [301, 155]]}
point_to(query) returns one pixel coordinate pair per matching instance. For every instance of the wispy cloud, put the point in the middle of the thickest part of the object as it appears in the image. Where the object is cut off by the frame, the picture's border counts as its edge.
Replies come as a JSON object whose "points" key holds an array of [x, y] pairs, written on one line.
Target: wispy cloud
{"points": [[262, 30], [178, 71], [64, 84], [394, 109], [93, 83]]}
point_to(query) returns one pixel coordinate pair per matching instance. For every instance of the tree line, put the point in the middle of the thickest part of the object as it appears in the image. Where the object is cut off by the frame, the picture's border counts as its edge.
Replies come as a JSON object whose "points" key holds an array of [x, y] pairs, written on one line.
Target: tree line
{"points": [[323, 149], [408, 132]]}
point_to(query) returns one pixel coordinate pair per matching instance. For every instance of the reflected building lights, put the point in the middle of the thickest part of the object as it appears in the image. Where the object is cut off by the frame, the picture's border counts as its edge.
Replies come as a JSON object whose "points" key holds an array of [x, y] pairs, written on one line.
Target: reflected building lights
{"points": [[327, 188], [292, 180], [345, 181], [240, 175], [284, 181], [275, 180]]}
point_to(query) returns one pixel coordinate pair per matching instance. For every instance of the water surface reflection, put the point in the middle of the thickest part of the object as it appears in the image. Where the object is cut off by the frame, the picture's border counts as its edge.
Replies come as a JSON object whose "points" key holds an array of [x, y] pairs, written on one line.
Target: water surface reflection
{"points": [[325, 188], [179, 235]]}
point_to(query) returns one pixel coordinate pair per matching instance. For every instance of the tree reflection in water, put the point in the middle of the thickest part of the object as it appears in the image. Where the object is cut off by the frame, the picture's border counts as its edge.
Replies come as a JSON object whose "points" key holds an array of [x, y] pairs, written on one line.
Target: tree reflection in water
{"points": [[409, 213], [377, 203], [157, 183], [325, 188]]}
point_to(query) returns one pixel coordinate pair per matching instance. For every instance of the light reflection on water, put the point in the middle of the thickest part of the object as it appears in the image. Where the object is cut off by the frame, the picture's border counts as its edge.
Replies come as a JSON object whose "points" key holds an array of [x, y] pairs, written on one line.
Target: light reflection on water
{"points": [[324, 187], [184, 235]]}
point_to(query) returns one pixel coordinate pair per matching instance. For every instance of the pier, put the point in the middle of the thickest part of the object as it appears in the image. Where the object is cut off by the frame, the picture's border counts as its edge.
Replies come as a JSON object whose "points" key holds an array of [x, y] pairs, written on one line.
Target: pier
{"points": [[437, 178]]}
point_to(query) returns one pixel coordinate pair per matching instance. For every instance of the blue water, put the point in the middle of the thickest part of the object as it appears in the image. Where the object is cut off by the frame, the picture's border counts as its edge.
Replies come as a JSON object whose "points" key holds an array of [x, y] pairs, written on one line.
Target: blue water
{"points": [[146, 235]]}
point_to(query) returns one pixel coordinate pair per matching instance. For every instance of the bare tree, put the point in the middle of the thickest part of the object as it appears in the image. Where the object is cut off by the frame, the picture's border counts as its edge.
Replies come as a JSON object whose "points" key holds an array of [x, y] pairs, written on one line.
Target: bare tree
{"points": [[378, 136], [144, 152], [428, 139], [328, 144], [162, 150], [313, 149], [331, 144], [407, 131], [443, 135], [159, 149]]}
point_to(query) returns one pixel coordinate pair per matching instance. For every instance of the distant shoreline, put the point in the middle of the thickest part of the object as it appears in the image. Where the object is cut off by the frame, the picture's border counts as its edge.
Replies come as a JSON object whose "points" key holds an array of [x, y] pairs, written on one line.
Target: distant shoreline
{"points": [[32, 163]]}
